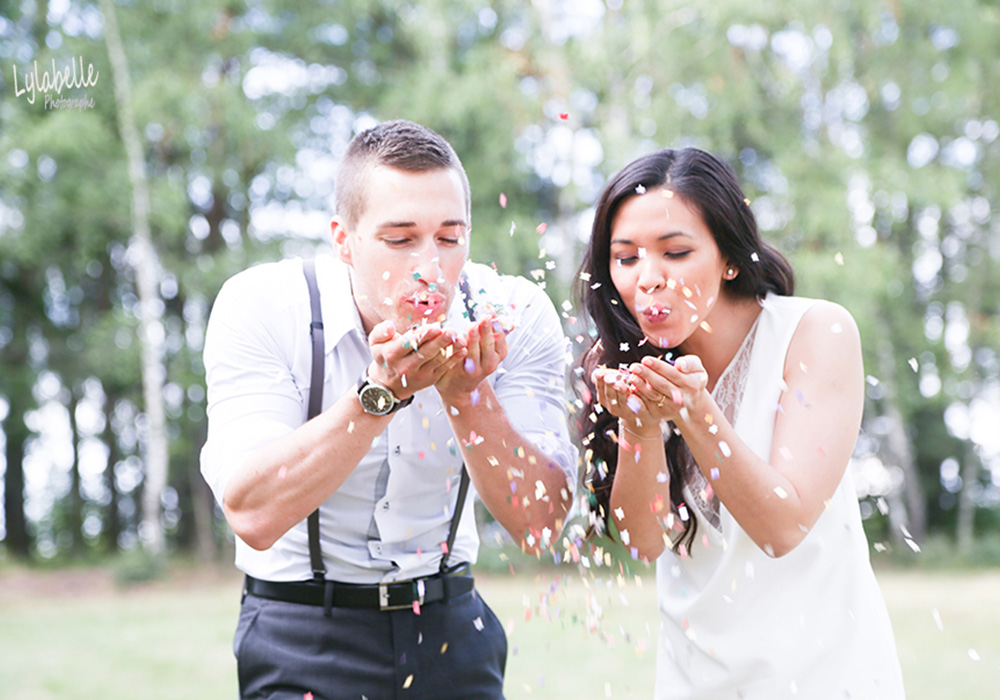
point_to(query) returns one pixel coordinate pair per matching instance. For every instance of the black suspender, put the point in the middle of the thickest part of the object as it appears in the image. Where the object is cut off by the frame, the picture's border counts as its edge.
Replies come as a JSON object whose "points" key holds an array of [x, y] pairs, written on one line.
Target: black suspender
{"points": [[316, 405]]}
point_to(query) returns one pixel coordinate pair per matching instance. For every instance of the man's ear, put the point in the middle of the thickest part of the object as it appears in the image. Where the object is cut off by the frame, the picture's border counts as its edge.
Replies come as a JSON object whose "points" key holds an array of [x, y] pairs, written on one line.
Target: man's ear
{"points": [[341, 240]]}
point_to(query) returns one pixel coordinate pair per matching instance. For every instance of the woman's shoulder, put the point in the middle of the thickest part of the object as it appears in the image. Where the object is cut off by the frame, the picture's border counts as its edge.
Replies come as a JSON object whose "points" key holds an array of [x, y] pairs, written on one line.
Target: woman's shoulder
{"points": [[810, 311]]}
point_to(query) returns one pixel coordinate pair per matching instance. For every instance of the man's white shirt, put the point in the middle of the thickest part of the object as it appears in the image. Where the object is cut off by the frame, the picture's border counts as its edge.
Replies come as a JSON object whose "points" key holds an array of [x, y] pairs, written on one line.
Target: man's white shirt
{"points": [[390, 517]]}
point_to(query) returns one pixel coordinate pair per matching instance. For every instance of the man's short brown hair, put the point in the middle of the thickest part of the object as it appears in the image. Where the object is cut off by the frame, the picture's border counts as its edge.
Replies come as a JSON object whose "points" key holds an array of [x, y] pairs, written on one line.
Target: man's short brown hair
{"points": [[398, 144]]}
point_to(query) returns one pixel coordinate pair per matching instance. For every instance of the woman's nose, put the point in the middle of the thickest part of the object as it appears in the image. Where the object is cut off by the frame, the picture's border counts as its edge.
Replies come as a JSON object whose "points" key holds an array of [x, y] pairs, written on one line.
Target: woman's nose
{"points": [[651, 277]]}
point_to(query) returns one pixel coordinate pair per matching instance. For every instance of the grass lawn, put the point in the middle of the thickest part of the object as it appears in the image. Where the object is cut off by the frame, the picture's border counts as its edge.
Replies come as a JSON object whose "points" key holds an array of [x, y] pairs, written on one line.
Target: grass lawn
{"points": [[75, 635]]}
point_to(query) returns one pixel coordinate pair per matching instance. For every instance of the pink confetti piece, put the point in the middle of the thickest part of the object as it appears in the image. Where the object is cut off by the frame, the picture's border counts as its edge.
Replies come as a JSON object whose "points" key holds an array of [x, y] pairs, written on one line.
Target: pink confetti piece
{"points": [[540, 229], [564, 115], [503, 200]]}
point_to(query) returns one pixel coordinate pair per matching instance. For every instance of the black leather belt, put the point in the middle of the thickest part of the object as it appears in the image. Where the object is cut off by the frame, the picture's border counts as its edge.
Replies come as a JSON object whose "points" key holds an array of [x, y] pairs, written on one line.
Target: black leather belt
{"points": [[381, 596]]}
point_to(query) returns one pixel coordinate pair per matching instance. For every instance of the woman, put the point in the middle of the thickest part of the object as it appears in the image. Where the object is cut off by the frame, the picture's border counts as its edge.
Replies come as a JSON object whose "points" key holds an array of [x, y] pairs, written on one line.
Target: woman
{"points": [[724, 413]]}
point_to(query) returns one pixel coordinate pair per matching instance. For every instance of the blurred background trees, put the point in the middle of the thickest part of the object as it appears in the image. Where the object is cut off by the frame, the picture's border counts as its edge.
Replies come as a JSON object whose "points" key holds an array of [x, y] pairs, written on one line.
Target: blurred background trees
{"points": [[866, 136]]}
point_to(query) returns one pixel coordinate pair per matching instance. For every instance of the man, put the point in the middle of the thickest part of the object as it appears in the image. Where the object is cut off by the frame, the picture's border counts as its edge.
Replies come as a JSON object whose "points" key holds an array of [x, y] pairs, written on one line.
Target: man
{"points": [[419, 377]]}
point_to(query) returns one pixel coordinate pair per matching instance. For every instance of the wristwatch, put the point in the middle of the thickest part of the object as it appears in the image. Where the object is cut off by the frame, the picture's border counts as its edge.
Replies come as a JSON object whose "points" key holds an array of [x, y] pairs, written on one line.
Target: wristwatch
{"points": [[378, 400]]}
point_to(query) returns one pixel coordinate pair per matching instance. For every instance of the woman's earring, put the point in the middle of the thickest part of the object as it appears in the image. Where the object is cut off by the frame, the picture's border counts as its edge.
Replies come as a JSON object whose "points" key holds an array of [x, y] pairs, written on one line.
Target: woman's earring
{"points": [[730, 273]]}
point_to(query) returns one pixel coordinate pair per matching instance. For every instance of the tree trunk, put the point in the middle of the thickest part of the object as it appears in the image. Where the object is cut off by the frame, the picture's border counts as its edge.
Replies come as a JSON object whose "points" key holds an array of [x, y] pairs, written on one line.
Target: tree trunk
{"points": [[965, 530], [143, 260], [74, 511], [899, 452], [112, 518], [16, 434], [17, 382]]}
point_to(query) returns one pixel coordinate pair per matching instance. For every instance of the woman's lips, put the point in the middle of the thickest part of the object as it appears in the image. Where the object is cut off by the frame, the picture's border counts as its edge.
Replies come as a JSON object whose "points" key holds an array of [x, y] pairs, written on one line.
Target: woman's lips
{"points": [[655, 313]]}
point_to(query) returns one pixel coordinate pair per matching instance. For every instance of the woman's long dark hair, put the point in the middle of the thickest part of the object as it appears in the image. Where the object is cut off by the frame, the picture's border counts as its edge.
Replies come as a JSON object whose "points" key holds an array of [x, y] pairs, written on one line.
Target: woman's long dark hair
{"points": [[709, 185]]}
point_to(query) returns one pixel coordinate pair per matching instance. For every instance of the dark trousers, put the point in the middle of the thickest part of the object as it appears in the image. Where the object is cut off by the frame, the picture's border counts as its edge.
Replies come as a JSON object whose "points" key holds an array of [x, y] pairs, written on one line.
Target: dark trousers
{"points": [[453, 649]]}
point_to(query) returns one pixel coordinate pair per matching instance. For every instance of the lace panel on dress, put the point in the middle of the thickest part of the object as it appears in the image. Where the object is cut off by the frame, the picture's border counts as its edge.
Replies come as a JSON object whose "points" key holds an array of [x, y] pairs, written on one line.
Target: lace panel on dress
{"points": [[728, 394]]}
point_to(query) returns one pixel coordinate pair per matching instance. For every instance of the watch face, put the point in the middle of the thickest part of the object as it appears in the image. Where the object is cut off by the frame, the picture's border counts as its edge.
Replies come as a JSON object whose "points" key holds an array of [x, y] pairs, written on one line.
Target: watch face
{"points": [[376, 400]]}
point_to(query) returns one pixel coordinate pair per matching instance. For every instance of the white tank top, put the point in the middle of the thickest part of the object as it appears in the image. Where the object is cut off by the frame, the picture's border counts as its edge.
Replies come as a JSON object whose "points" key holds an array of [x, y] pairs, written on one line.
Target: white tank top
{"points": [[737, 623]]}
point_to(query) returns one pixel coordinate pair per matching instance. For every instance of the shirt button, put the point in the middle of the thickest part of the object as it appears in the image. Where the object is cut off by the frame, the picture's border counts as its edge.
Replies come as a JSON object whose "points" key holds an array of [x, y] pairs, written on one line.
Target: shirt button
{"points": [[385, 506]]}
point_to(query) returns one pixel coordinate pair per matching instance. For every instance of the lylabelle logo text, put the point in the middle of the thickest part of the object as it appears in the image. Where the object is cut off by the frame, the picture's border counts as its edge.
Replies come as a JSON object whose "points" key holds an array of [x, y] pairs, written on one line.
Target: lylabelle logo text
{"points": [[51, 84]]}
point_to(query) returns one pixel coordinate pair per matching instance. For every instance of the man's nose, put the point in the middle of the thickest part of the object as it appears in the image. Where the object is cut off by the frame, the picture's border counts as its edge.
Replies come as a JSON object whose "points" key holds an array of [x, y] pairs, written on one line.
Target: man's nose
{"points": [[427, 263]]}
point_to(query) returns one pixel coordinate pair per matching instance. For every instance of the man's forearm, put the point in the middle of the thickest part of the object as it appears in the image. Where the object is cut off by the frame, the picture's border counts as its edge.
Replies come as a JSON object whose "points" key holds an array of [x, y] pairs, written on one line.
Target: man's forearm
{"points": [[281, 483], [522, 487]]}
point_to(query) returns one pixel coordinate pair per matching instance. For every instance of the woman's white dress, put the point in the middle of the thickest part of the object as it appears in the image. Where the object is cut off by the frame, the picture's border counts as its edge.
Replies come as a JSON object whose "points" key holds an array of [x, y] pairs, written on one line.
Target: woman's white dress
{"points": [[737, 623]]}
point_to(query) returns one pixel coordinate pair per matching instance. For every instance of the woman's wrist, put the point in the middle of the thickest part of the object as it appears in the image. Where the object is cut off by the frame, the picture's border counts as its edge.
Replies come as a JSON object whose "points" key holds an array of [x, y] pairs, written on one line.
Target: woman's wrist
{"points": [[634, 431]]}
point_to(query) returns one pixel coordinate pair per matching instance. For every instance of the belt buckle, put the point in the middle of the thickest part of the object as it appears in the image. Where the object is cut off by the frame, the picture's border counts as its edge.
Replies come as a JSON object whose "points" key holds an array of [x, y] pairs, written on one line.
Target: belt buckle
{"points": [[383, 596]]}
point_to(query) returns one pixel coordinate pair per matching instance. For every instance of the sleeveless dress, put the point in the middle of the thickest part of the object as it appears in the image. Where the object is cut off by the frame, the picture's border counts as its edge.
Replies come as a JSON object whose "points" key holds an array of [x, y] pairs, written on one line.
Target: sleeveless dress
{"points": [[739, 624]]}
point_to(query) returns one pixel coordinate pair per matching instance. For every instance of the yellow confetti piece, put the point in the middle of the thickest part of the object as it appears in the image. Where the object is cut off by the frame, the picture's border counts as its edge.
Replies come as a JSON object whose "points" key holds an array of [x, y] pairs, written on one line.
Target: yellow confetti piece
{"points": [[444, 647], [839, 258], [408, 681]]}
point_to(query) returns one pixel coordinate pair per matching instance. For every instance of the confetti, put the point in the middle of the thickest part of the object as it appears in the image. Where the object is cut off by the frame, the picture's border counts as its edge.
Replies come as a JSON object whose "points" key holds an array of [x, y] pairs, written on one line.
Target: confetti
{"points": [[408, 681], [503, 200], [913, 364], [564, 115], [282, 472], [540, 229], [973, 654], [724, 449], [780, 492], [307, 696], [639, 189], [839, 258], [937, 619], [513, 227], [478, 624], [755, 257], [350, 427]]}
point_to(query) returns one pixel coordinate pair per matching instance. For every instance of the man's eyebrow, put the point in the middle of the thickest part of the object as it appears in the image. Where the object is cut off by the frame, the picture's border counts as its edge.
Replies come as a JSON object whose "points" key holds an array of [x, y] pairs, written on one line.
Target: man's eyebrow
{"points": [[662, 237], [447, 223]]}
